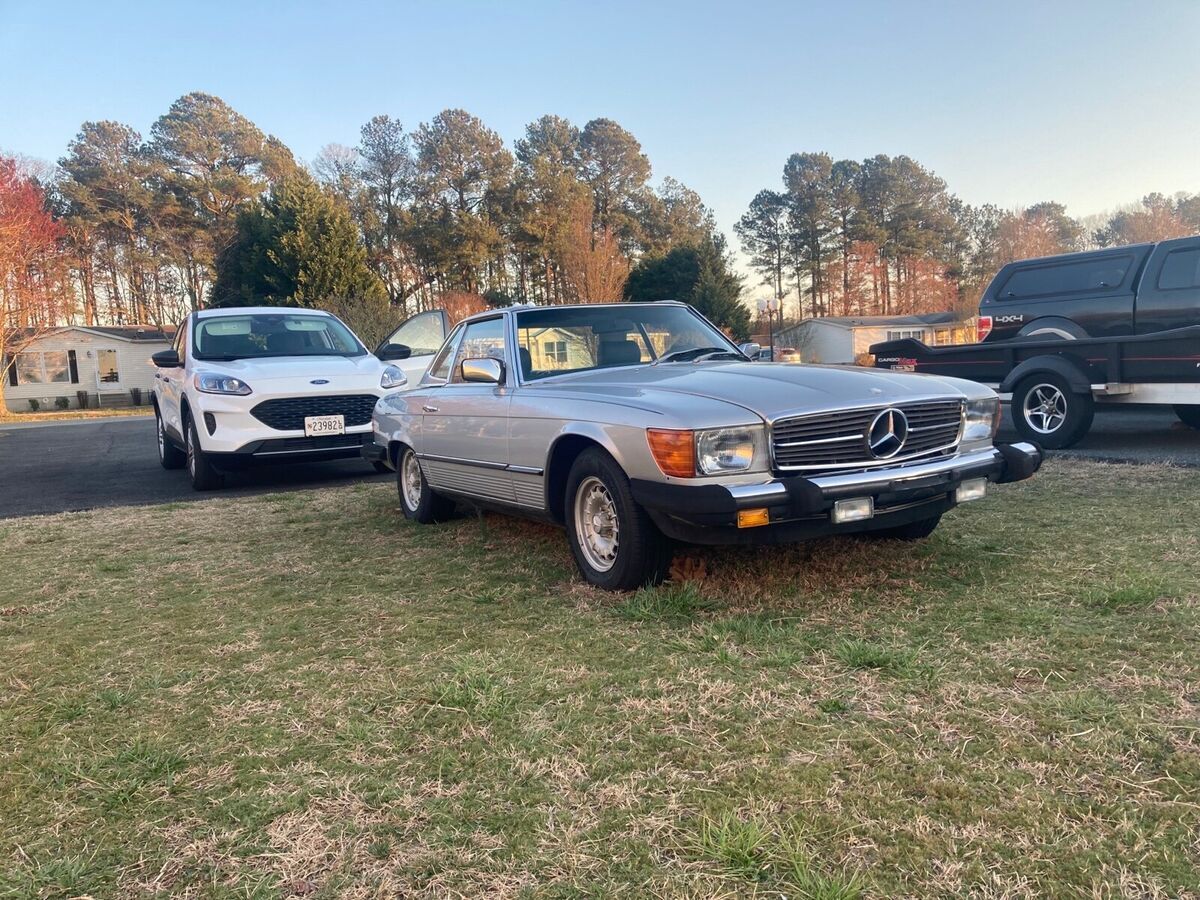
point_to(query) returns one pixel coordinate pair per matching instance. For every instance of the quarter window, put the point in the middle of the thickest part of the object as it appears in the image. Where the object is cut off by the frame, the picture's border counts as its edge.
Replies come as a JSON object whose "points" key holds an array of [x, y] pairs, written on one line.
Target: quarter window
{"points": [[1106, 273], [480, 340], [1181, 269]]}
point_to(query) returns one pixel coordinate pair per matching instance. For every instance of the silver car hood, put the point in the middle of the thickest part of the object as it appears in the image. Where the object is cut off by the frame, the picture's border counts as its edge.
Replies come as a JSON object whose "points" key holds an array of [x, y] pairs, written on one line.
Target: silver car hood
{"points": [[769, 389]]}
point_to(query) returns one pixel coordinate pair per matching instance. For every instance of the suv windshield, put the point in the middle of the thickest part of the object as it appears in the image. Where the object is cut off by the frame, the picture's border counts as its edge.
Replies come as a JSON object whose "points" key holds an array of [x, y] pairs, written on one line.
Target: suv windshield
{"points": [[272, 334], [553, 340]]}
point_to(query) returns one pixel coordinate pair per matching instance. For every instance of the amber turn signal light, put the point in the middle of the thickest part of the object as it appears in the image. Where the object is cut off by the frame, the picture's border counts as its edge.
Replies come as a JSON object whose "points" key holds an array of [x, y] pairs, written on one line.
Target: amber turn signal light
{"points": [[674, 451], [752, 518]]}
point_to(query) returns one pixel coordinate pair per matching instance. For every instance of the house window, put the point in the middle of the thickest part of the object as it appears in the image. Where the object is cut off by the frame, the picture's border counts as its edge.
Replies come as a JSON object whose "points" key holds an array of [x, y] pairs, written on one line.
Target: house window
{"points": [[555, 351], [915, 333], [942, 337], [51, 367], [106, 365]]}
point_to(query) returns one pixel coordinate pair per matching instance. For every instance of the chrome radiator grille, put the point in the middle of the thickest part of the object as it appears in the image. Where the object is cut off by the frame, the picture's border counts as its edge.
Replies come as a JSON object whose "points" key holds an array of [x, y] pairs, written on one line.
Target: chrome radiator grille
{"points": [[838, 440]]}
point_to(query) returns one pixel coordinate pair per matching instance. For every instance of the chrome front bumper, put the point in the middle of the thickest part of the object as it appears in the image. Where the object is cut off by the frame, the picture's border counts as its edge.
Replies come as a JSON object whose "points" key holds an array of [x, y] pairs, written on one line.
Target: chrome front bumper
{"points": [[1012, 463]]}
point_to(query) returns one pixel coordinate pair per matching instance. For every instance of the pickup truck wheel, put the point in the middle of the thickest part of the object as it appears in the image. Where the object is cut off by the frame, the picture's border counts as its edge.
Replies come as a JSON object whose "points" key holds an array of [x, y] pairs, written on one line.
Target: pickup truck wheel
{"points": [[420, 502], [615, 544], [913, 531], [1188, 415], [170, 456], [1046, 410], [204, 476]]}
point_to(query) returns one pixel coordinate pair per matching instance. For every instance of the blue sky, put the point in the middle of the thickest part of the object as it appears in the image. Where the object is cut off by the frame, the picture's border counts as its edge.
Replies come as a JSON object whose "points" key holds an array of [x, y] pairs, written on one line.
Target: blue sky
{"points": [[1091, 104]]}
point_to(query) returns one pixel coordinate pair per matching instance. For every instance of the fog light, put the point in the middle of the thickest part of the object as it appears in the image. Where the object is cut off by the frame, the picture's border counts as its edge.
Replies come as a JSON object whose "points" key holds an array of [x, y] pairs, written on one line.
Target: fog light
{"points": [[974, 489], [210, 422], [752, 518], [853, 510]]}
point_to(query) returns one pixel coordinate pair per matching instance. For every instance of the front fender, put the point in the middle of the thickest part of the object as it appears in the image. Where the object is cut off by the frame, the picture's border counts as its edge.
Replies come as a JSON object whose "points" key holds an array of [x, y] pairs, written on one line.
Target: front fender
{"points": [[1074, 372]]}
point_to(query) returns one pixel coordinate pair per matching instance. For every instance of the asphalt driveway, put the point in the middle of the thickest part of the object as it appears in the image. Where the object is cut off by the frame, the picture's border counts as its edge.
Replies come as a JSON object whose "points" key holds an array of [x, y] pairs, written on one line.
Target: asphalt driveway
{"points": [[60, 466]]}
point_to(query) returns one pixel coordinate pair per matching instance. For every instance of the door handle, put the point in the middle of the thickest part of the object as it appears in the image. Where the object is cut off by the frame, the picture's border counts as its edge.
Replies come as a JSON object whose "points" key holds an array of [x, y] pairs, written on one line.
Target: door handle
{"points": [[429, 408]]}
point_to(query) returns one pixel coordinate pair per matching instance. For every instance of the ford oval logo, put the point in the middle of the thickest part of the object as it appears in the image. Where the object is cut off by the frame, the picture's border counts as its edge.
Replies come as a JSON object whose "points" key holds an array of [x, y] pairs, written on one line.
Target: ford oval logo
{"points": [[319, 381]]}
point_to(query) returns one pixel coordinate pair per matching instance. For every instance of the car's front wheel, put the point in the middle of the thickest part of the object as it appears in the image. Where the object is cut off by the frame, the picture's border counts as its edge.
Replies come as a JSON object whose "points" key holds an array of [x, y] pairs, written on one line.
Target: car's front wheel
{"points": [[170, 456], [204, 476], [418, 500], [615, 544]]}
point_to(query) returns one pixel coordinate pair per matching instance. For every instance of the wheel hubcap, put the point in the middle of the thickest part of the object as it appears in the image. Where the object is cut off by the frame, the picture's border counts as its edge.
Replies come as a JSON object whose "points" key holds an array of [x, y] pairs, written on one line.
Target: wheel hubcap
{"points": [[597, 525], [1045, 409], [410, 480]]}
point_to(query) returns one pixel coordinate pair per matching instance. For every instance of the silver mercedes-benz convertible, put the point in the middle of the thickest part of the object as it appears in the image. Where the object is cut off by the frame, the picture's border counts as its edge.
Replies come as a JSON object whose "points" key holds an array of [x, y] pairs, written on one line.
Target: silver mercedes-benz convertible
{"points": [[639, 424]]}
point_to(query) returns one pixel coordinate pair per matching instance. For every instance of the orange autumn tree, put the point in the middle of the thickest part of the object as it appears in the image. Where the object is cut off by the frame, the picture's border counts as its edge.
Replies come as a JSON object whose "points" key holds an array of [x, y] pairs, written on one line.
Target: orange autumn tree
{"points": [[34, 293]]}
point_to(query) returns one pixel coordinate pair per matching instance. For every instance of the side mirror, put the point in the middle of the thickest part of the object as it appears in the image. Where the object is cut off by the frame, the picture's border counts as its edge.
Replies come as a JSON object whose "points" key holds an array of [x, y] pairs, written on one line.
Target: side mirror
{"points": [[390, 352], [483, 371], [166, 359], [751, 349]]}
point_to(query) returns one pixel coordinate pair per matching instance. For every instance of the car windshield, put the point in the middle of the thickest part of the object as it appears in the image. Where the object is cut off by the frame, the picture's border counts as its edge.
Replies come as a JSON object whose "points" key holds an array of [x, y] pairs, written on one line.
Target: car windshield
{"points": [[554, 340], [271, 335]]}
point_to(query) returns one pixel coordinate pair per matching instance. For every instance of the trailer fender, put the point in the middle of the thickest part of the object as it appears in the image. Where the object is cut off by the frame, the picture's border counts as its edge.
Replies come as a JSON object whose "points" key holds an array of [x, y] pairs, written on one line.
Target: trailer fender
{"points": [[1075, 375]]}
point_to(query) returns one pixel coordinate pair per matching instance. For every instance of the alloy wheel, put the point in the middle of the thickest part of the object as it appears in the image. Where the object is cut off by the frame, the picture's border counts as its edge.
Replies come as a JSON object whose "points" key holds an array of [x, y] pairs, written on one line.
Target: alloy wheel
{"points": [[1045, 408], [597, 525], [410, 480]]}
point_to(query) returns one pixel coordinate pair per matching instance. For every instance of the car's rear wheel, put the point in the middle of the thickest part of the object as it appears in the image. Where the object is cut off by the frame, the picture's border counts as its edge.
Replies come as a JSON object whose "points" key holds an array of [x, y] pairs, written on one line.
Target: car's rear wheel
{"points": [[420, 502], [170, 456], [1188, 415], [615, 543], [204, 476], [913, 531], [1046, 410]]}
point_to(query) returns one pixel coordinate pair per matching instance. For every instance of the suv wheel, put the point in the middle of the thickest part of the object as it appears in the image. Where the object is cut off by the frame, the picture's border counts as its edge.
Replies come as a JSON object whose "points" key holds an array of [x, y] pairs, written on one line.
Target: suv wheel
{"points": [[418, 500], [204, 476], [170, 456], [1047, 411], [615, 544]]}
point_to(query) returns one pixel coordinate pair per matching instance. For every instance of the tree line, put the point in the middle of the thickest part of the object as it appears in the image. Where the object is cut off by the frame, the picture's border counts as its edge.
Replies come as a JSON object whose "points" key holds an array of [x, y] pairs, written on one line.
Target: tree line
{"points": [[209, 210], [886, 236]]}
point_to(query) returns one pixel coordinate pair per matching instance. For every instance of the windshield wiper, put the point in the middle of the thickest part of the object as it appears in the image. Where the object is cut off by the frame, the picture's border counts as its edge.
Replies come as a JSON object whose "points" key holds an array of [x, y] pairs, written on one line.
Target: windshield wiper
{"points": [[713, 354], [691, 353]]}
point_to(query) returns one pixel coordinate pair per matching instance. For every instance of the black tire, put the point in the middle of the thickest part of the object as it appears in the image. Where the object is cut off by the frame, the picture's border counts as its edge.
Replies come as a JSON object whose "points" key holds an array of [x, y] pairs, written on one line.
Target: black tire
{"points": [[640, 554], [1047, 411], [913, 531], [381, 467], [1188, 414], [200, 469], [169, 456], [420, 502]]}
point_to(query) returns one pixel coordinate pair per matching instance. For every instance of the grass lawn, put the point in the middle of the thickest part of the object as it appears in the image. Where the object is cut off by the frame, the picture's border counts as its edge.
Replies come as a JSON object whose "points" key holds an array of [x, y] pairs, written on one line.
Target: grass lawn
{"points": [[303, 695]]}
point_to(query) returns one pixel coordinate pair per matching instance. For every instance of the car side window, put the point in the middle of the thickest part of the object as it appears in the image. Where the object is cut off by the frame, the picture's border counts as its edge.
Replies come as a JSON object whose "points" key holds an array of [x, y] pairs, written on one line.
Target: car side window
{"points": [[480, 340], [423, 334], [1180, 270], [177, 344], [439, 369], [1106, 273]]}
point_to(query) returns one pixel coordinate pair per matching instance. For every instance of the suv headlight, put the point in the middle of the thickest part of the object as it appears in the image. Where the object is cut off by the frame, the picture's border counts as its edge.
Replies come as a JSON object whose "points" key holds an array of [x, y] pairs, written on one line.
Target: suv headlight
{"points": [[982, 420], [210, 383], [728, 450]]}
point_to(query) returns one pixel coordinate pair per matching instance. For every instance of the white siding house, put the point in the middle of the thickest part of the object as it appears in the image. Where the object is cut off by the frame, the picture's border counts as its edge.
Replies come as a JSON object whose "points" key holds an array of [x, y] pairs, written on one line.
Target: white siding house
{"points": [[108, 365], [844, 339]]}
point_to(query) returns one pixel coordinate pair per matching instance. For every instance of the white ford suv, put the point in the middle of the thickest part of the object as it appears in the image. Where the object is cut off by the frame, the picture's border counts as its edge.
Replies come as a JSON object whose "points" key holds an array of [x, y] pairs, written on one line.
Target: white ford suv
{"points": [[265, 384]]}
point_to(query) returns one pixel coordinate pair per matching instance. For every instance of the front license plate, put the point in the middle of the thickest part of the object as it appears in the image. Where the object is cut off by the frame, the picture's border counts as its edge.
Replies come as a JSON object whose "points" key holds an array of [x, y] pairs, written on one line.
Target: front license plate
{"points": [[318, 426]]}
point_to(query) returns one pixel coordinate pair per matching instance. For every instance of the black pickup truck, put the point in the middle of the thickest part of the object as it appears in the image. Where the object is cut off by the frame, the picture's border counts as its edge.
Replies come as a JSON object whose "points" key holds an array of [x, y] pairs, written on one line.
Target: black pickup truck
{"points": [[1063, 333]]}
